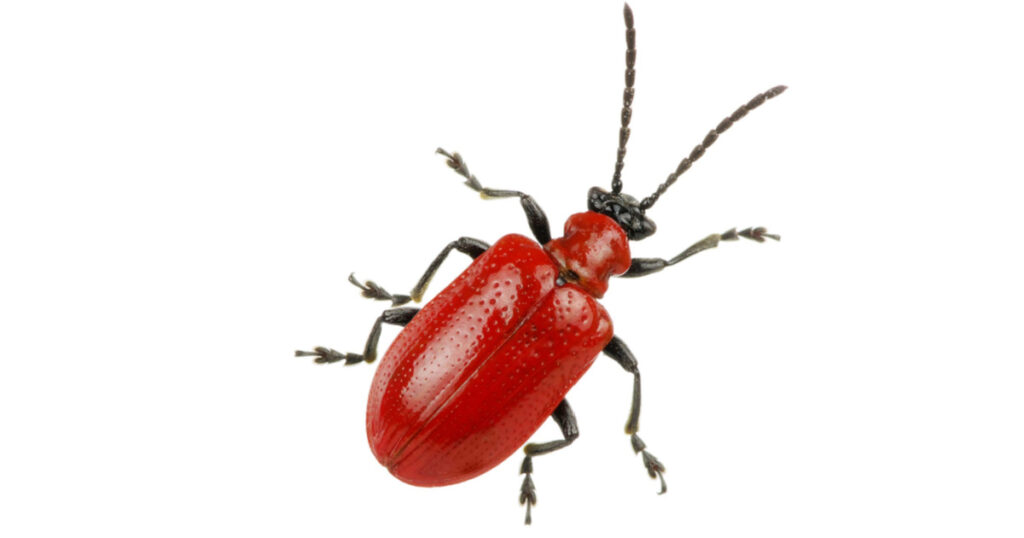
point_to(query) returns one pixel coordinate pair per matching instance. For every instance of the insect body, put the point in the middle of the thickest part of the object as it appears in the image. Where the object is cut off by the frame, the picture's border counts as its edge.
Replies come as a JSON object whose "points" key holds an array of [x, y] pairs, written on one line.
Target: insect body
{"points": [[477, 371]]}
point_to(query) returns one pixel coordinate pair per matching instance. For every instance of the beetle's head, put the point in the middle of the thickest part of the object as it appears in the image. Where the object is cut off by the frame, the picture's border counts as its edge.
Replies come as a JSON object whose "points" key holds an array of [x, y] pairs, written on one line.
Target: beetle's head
{"points": [[624, 210]]}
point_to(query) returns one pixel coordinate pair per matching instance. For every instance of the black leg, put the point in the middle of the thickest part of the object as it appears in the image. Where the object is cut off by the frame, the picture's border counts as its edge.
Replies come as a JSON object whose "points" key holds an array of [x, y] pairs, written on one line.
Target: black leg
{"points": [[466, 245], [534, 214], [566, 421], [372, 290], [617, 350], [392, 316], [646, 266]]}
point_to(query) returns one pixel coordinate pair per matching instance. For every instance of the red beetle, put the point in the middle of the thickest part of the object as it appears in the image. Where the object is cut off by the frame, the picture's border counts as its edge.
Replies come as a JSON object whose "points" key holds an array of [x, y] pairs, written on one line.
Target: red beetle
{"points": [[477, 371]]}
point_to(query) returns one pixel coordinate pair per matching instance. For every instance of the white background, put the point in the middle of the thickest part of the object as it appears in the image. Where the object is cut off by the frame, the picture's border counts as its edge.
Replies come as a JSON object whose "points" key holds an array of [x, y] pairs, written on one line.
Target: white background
{"points": [[186, 185]]}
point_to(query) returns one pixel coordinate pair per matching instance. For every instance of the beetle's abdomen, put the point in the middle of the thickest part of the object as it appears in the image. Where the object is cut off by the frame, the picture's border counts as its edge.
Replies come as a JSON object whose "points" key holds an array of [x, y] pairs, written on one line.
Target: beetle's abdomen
{"points": [[481, 367]]}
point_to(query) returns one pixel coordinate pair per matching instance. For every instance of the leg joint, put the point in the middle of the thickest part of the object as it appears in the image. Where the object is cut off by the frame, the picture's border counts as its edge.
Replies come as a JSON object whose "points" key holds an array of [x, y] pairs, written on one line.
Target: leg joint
{"points": [[620, 353], [469, 246], [399, 316]]}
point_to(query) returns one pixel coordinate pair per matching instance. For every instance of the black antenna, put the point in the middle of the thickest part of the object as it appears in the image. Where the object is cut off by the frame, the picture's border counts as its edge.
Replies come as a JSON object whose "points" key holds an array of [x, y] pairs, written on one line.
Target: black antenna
{"points": [[627, 98], [685, 164]]}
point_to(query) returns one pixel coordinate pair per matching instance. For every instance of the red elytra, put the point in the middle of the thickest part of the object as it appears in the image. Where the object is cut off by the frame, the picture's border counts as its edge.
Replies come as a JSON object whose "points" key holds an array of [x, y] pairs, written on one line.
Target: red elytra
{"points": [[482, 365], [478, 369]]}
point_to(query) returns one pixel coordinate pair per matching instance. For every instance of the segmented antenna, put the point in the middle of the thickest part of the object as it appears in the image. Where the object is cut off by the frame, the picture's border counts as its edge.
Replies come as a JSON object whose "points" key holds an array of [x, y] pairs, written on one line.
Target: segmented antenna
{"points": [[698, 151], [627, 98]]}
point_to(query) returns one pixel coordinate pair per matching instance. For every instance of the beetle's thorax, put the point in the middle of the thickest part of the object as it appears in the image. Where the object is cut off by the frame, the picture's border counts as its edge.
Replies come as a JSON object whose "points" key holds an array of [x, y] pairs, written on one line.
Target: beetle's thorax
{"points": [[593, 249]]}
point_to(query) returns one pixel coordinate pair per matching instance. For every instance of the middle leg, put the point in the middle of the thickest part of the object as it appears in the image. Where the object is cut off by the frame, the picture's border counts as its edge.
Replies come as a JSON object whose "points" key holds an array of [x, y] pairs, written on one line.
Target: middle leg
{"points": [[466, 245], [400, 316], [393, 316]]}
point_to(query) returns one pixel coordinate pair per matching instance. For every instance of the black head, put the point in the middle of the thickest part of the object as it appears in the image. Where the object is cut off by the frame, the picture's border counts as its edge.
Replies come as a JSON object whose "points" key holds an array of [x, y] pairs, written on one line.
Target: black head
{"points": [[623, 209]]}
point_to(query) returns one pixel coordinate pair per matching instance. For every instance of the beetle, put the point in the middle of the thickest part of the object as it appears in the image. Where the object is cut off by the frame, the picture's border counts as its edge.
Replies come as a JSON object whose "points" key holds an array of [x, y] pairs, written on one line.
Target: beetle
{"points": [[482, 365]]}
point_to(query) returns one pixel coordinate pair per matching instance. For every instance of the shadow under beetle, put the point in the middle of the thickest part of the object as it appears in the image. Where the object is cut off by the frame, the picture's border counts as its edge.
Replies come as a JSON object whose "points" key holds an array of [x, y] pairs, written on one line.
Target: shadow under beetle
{"points": [[478, 369]]}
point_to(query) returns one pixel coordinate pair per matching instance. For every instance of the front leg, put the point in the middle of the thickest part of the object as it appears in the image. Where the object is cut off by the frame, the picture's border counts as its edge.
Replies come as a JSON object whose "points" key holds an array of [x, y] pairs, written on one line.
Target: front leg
{"points": [[646, 266], [535, 216]]}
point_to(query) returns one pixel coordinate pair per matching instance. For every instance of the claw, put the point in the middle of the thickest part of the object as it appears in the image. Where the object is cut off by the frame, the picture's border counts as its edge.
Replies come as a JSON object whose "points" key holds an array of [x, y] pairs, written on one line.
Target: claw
{"points": [[527, 492], [455, 162], [372, 290], [758, 234], [654, 467], [326, 356]]}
